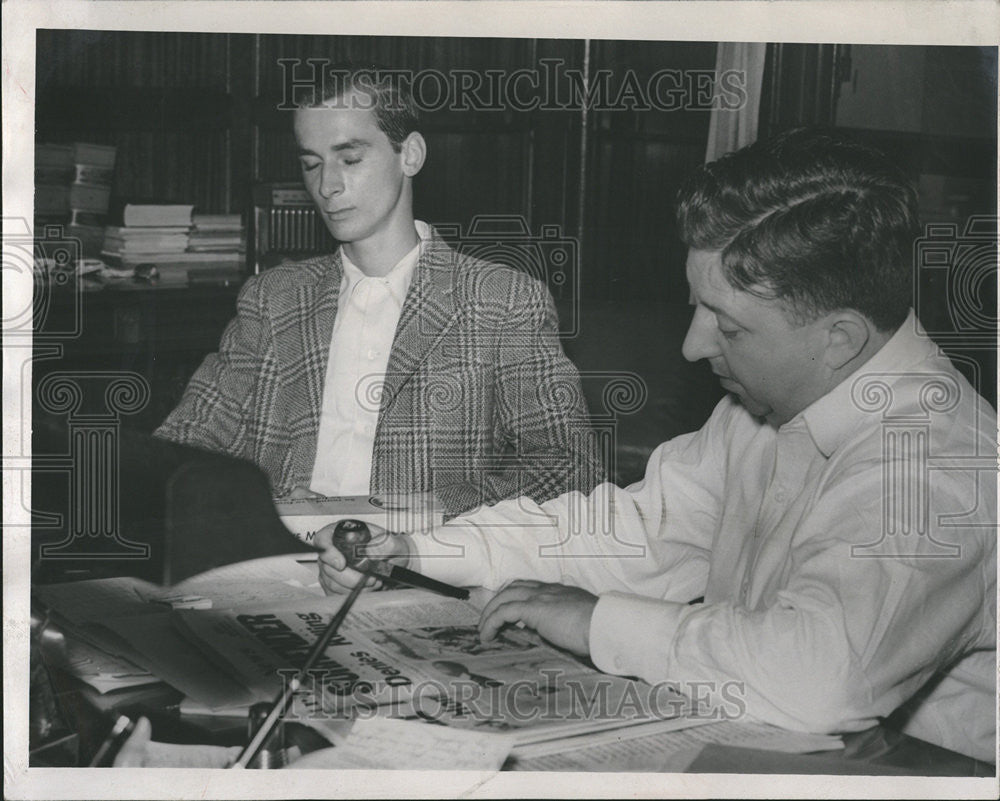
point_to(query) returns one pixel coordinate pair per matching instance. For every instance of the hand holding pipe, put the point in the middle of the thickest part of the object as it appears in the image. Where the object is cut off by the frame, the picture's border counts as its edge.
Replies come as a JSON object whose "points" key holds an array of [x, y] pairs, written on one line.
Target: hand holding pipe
{"points": [[351, 538]]}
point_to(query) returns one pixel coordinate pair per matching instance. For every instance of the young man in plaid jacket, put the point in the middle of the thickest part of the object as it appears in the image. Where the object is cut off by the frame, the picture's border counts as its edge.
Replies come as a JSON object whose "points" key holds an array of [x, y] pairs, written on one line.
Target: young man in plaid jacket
{"points": [[396, 364]]}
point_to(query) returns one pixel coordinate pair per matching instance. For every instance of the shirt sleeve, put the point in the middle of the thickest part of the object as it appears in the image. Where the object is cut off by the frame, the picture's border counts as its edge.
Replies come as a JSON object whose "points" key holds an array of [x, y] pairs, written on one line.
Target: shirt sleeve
{"points": [[845, 639], [651, 538]]}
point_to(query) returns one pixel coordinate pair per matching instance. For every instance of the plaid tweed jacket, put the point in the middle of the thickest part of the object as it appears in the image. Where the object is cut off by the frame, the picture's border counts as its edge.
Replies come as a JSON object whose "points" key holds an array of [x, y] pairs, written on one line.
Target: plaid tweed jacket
{"points": [[479, 402]]}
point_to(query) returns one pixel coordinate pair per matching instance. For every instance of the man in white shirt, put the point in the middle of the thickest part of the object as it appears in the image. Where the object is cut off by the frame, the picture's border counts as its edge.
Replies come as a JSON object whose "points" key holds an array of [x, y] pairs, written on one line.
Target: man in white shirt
{"points": [[828, 539], [396, 365]]}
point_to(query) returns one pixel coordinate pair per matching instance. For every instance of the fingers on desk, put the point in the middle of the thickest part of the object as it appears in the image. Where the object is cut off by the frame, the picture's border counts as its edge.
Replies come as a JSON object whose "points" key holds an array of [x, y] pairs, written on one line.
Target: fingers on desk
{"points": [[510, 605]]}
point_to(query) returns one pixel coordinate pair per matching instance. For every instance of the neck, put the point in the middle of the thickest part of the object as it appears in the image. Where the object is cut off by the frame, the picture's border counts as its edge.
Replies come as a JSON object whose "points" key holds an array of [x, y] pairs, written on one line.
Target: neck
{"points": [[376, 256], [875, 342]]}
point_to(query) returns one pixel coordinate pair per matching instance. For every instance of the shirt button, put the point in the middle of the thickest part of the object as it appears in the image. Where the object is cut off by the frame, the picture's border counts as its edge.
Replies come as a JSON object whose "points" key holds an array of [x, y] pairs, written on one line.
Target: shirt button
{"points": [[369, 429], [372, 353], [780, 495]]}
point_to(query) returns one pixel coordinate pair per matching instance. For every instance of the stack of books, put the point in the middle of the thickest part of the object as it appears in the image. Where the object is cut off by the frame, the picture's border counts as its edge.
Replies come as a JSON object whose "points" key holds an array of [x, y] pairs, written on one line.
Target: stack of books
{"points": [[73, 189], [145, 243], [149, 233], [184, 247], [219, 234]]}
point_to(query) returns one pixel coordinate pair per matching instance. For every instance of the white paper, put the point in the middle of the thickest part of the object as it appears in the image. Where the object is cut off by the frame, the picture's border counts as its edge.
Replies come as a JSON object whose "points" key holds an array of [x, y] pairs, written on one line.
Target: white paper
{"points": [[379, 743], [162, 650], [102, 671]]}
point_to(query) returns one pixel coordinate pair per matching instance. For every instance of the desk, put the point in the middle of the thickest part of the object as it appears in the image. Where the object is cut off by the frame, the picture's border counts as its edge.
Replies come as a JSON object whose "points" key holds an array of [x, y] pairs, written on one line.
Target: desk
{"points": [[161, 332], [876, 752]]}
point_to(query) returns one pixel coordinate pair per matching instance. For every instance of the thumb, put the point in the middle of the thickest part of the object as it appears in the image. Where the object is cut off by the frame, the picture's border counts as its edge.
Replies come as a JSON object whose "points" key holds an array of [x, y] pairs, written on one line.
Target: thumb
{"points": [[133, 753]]}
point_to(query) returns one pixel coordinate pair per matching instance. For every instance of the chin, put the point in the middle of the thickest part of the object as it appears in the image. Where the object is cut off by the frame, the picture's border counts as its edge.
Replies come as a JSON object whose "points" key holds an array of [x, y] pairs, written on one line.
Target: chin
{"points": [[341, 233], [755, 408], [347, 231]]}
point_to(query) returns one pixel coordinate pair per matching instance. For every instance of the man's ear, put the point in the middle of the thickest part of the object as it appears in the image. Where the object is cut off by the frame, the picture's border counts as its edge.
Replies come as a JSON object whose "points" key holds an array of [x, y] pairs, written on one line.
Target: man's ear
{"points": [[413, 151], [848, 334]]}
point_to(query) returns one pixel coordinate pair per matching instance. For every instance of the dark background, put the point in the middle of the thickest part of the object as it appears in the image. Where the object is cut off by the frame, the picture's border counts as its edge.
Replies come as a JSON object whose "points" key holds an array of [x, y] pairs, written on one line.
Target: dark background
{"points": [[193, 120]]}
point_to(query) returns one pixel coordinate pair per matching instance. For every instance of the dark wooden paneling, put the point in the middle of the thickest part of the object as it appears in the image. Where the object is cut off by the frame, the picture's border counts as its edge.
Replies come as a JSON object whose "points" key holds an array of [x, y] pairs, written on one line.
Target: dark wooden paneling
{"points": [[162, 99], [637, 160], [130, 58]]}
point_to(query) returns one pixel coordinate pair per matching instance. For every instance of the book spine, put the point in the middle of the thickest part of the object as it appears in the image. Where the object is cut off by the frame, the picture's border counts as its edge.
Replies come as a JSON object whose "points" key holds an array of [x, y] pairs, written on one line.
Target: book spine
{"points": [[53, 174], [92, 174], [102, 156], [88, 197], [290, 197], [51, 199], [53, 156], [87, 218]]}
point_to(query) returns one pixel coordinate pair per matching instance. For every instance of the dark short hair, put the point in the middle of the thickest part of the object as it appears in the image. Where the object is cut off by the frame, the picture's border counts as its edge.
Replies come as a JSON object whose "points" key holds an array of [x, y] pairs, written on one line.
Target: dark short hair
{"points": [[809, 217], [387, 90]]}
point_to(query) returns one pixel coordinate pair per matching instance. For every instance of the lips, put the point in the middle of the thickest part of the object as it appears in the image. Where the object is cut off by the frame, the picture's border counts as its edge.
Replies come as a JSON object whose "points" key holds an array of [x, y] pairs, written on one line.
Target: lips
{"points": [[727, 382], [339, 214]]}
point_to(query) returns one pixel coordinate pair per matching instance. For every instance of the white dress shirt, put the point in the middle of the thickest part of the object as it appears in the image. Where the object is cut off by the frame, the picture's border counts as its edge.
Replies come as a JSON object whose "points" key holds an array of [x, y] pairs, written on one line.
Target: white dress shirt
{"points": [[368, 310], [847, 559]]}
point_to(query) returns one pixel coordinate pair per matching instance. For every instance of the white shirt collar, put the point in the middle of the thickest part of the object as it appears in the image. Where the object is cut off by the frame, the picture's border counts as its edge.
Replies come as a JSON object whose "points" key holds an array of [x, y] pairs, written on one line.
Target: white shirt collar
{"points": [[831, 418], [398, 279]]}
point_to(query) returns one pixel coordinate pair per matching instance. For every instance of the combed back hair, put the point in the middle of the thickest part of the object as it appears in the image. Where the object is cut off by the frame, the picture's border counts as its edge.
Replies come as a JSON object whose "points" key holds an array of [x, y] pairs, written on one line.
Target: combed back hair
{"points": [[386, 93], [812, 219]]}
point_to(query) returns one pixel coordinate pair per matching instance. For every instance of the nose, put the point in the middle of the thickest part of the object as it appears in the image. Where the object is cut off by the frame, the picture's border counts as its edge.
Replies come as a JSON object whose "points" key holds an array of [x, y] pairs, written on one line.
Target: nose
{"points": [[701, 341], [332, 181]]}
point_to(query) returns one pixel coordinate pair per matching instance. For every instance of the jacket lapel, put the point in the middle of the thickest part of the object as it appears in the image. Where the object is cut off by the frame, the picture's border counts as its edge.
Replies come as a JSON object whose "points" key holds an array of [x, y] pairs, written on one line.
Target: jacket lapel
{"points": [[428, 312], [302, 349]]}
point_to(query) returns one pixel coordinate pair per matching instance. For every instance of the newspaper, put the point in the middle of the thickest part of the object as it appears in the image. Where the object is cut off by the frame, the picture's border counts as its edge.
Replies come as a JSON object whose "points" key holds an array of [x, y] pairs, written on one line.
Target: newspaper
{"points": [[414, 655]]}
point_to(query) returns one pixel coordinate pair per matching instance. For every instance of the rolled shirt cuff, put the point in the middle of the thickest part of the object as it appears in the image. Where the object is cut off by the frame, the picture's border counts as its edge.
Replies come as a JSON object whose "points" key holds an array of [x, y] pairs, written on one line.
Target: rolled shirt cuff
{"points": [[452, 554], [631, 635]]}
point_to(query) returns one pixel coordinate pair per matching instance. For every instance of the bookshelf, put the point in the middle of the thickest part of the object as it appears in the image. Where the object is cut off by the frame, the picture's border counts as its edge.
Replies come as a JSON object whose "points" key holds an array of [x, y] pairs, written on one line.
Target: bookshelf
{"points": [[195, 119]]}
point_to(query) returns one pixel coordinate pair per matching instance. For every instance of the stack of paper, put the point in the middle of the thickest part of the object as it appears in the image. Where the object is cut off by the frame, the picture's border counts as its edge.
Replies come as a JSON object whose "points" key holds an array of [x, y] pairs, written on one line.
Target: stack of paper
{"points": [[122, 631]]}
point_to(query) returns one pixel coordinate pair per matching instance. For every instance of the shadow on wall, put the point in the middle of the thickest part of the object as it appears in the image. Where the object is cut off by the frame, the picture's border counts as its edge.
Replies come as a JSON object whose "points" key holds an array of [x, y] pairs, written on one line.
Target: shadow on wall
{"points": [[644, 341]]}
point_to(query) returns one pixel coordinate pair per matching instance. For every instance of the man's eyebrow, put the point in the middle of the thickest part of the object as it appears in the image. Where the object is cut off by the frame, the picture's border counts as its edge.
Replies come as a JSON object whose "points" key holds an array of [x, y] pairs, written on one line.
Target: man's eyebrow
{"points": [[718, 310], [350, 144]]}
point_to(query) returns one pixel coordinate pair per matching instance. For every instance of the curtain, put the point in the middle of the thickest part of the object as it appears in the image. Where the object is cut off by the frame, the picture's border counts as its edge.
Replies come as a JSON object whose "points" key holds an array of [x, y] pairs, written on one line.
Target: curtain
{"points": [[730, 129]]}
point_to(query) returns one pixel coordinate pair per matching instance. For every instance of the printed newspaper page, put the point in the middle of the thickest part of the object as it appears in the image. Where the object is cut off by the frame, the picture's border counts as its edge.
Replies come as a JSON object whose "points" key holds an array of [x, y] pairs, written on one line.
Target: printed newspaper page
{"points": [[413, 655]]}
